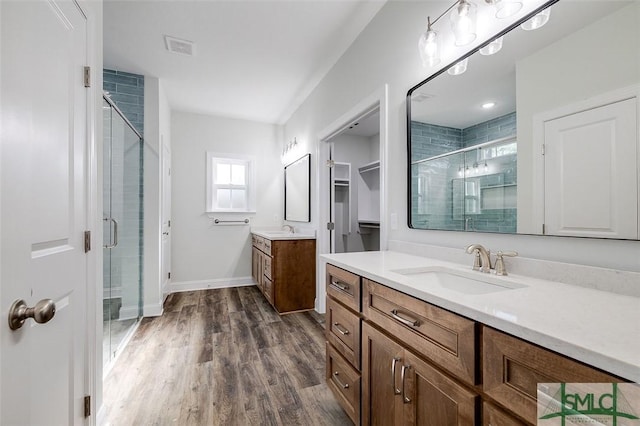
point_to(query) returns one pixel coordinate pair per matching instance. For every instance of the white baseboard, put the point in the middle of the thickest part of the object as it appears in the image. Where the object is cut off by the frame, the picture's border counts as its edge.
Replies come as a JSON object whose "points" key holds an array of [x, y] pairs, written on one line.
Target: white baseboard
{"points": [[128, 312], [180, 286], [152, 310]]}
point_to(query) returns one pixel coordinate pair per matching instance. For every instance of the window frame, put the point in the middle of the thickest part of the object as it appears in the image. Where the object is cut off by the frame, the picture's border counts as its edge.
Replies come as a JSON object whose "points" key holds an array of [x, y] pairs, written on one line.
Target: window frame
{"points": [[215, 158]]}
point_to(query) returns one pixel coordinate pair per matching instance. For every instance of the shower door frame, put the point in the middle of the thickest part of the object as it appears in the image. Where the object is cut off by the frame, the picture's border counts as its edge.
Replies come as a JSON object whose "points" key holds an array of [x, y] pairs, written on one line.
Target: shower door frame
{"points": [[107, 366]]}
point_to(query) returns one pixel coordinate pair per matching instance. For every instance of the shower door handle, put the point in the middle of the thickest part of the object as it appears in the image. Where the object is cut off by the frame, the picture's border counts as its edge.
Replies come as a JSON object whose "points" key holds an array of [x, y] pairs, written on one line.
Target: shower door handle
{"points": [[115, 233]]}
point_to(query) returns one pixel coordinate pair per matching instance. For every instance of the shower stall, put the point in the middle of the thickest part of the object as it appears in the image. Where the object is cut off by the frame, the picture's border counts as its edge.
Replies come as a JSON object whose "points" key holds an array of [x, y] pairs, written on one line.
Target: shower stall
{"points": [[122, 230]]}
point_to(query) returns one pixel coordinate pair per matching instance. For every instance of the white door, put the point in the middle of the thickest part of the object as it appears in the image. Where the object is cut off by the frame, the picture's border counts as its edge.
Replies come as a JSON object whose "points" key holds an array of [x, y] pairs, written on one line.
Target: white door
{"points": [[43, 187], [590, 163], [166, 218]]}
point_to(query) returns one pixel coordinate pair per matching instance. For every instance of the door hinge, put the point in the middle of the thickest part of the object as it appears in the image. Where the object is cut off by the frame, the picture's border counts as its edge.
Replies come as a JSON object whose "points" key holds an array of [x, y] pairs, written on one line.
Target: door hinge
{"points": [[543, 229], [331, 226], [87, 76], [169, 275], [87, 241], [330, 163], [87, 406], [542, 149], [169, 224]]}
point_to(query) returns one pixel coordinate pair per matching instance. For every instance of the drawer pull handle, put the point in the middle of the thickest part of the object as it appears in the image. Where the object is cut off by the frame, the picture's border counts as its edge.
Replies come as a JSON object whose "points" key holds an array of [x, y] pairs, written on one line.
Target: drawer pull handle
{"points": [[342, 385], [396, 391], [402, 374], [339, 286], [340, 329], [409, 322]]}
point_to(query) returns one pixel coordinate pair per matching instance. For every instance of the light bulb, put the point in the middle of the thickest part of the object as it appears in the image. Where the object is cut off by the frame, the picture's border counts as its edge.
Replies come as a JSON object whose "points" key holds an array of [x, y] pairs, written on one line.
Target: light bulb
{"points": [[463, 22], [429, 46], [537, 21], [459, 67], [493, 47]]}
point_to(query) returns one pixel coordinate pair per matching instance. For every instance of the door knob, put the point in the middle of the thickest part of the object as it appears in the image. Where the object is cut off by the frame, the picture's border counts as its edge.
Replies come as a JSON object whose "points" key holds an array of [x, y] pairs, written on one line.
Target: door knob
{"points": [[41, 313]]}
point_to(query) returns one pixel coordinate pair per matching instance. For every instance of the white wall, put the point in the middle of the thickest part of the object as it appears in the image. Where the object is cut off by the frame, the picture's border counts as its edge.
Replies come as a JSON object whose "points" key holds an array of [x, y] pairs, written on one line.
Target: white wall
{"points": [[386, 52], [205, 255], [157, 126]]}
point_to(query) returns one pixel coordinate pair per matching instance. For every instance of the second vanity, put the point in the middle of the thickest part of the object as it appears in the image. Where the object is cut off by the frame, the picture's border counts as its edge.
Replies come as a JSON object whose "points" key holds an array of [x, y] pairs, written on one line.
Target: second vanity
{"points": [[410, 338], [283, 266]]}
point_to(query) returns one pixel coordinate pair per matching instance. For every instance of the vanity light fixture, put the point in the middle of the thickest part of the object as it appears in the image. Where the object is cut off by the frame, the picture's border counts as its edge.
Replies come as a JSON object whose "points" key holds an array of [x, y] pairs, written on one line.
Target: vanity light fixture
{"points": [[429, 46], [537, 21], [493, 47], [463, 22], [505, 8], [459, 67]]}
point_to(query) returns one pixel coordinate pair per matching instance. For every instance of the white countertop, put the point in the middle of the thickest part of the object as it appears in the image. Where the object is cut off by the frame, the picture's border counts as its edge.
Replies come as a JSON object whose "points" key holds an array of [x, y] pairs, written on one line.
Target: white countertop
{"points": [[282, 235], [599, 328]]}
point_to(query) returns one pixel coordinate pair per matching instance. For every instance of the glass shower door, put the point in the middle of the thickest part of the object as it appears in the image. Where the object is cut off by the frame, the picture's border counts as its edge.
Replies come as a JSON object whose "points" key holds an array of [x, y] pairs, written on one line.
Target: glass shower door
{"points": [[122, 230]]}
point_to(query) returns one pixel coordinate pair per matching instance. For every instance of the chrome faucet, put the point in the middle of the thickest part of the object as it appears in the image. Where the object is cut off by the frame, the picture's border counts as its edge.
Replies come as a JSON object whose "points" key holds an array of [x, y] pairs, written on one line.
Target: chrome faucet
{"points": [[482, 259], [288, 228]]}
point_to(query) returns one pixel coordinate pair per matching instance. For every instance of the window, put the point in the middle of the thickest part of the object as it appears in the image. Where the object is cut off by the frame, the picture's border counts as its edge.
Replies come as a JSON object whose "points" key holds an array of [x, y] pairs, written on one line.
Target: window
{"points": [[230, 183]]}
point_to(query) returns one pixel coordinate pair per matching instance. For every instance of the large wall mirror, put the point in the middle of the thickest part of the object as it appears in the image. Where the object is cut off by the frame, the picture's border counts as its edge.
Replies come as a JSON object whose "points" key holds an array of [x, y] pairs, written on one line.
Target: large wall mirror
{"points": [[297, 193], [539, 138]]}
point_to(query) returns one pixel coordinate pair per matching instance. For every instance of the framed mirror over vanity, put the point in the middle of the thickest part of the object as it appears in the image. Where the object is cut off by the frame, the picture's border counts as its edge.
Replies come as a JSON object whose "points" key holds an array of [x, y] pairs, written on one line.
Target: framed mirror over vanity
{"points": [[297, 190], [540, 137]]}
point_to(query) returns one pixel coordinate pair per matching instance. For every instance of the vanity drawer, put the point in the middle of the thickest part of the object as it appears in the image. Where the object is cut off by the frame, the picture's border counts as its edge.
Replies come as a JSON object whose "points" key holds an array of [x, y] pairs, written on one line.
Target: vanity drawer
{"points": [[344, 382], [512, 369], [267, 267], [267, 289], [257, 241], [343, 331], [344, 286], [494, 416], [266, 246], [445, 338]]}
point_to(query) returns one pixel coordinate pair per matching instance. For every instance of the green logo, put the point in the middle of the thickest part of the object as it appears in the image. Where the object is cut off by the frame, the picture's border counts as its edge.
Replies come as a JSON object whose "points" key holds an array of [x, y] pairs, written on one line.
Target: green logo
{"points": [[598, 403]]}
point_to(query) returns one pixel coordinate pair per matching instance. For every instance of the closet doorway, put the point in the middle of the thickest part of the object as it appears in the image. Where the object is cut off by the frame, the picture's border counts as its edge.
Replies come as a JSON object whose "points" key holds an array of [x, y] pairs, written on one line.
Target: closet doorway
{"points": [[354, 159]]}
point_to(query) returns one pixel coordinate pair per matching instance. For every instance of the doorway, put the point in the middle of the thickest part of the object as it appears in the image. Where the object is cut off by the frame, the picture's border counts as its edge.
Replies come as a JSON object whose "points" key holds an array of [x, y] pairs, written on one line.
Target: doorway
{"points": [[376, 101], [355, 186], [122, 227]]}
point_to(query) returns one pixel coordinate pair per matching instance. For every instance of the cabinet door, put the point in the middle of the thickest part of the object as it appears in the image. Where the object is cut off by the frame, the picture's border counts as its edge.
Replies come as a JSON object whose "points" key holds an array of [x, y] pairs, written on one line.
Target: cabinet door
{"points": [[381, 379], [432, 399], [255, 259]]}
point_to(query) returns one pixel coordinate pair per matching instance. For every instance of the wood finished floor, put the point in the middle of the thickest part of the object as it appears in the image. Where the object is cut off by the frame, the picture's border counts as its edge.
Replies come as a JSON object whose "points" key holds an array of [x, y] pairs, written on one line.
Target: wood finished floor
{"points": [[222, 357]]}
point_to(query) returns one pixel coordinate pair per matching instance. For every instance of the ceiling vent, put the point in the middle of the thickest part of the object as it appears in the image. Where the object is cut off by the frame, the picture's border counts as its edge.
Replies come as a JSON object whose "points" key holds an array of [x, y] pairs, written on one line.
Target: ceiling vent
{"points": [[420, 97], [176, 45]]}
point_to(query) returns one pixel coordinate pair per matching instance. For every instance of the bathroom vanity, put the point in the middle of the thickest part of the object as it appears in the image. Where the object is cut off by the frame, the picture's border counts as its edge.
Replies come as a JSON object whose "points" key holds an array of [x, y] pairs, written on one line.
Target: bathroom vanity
{"points": [[411, 337], [284, 268]]}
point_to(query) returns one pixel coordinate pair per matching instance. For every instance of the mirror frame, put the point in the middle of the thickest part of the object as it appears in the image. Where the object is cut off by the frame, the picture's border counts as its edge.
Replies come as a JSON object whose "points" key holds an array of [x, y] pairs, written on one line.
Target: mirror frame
{"points": [[305, 163], [433, 76]]}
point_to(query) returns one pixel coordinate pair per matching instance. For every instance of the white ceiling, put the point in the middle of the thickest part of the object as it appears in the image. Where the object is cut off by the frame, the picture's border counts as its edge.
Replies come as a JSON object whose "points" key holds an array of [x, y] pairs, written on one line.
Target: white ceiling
{"points": [[255, 60]]}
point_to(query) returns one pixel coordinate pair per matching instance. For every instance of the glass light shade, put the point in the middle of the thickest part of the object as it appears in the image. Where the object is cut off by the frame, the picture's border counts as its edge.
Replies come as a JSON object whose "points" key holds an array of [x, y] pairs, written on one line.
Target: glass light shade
{"points": [[429, 47], [459, 67], [463, 22], [506, 8], [493, 47], [537, 21]]}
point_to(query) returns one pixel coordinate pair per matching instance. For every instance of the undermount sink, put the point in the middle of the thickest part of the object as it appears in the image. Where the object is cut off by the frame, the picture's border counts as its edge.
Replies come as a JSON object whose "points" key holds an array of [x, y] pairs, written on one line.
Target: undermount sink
{"points": [[472, 282]]}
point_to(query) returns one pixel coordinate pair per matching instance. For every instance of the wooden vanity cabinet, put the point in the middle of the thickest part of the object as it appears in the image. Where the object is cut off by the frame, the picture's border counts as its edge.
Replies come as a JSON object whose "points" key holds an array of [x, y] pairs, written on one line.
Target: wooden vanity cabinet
{"points": [[285, 272], [399, 388], [424, 365], [342, 329], [512, 369]]}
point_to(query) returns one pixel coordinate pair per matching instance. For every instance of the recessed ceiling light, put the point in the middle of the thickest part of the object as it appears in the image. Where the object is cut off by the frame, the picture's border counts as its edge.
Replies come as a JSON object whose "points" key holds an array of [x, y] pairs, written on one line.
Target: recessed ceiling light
{"points": [[488, 105]]}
